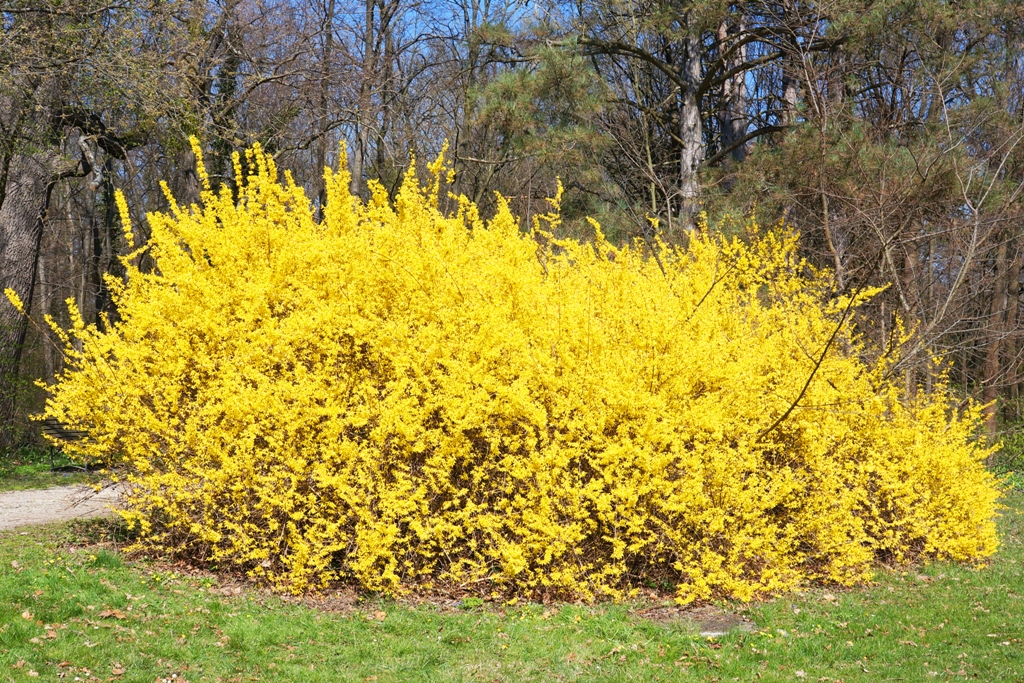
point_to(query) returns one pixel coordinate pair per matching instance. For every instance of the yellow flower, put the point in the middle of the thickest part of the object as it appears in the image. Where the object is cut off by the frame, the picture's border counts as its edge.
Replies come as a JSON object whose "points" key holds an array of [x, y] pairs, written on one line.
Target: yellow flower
{"points": [[15, 300], [397, 396]]}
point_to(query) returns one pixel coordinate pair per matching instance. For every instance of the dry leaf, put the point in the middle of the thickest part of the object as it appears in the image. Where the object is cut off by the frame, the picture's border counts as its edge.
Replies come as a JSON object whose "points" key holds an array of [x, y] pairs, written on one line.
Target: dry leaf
{"points": [[26, 615], [20, 663], [33, 673], [379, 616], [116, 613], [118, 670], [14, 563]]}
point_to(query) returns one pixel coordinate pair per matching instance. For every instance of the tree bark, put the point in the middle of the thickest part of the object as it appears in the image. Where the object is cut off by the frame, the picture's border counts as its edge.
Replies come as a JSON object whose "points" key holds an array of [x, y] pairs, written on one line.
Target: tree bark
{"points": [[364, 113], [733, 110], [1010, 325], [52, 360], [791, 71], [30, 181], [691, 132], [996, 333], [324, 113]]}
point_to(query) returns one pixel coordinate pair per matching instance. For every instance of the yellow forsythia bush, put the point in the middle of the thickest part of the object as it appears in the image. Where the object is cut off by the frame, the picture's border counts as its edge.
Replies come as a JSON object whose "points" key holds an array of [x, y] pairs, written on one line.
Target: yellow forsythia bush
{"points": [[402, 397]]}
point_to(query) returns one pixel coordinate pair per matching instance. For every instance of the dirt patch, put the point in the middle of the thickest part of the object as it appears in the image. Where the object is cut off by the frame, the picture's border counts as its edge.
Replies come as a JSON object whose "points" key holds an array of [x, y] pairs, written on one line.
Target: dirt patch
{"points": [[61, 503], [709, 621], [340, 600]]}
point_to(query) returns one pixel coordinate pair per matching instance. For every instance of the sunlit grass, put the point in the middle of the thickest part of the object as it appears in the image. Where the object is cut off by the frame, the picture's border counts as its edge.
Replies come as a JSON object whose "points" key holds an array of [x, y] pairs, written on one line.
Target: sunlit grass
{"points": [[73, 607]]}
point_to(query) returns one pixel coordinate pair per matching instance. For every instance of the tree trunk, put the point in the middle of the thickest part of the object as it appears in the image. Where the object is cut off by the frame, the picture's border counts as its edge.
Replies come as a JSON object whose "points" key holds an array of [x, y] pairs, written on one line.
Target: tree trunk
{"points": [[1010, 326], [185, 183], [30, 180], [691, 133], [52, 361], [791, 74], [324, 113], [792, 71], [995, 336], [106, 239], [364, 113], [733, 111]]}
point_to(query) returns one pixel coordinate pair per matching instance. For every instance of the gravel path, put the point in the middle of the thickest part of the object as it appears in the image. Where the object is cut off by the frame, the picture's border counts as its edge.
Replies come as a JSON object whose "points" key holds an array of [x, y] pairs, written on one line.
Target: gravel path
{"points": [[40, 506]]}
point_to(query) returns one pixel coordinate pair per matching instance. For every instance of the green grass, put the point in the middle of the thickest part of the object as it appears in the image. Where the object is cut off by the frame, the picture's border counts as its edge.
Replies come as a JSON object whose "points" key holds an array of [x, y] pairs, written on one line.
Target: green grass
{"points": [[29, 468], [73, 608]]}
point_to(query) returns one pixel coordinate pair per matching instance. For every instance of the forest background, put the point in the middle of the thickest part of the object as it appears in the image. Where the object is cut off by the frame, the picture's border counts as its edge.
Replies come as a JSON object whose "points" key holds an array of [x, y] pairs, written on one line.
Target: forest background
{"points": [[889, 133]]}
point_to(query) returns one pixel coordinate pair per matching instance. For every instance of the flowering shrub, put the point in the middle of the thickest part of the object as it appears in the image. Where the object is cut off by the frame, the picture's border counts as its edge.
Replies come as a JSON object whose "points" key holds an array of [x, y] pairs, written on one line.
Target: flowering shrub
{"points": [[400, 397]]}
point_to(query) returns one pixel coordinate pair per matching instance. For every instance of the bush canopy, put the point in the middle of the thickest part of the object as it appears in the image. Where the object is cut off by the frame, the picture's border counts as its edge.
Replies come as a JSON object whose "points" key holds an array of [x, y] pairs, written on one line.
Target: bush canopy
{"points": [[404, 397]]}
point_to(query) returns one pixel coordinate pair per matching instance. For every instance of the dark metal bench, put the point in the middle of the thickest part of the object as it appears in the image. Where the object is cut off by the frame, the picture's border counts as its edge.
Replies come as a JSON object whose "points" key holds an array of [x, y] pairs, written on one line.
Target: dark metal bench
{"points": [[60, 432]]}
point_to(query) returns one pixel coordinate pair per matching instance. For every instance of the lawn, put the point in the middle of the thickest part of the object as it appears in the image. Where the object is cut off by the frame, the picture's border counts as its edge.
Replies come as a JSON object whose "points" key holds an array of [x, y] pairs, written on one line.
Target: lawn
{"points": [[73, 608], [29, 468]]}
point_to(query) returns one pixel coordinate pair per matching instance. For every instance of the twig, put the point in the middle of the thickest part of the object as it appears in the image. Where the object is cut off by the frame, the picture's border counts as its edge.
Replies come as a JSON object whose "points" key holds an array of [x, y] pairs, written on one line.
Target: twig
{"points": [[814, 371]]}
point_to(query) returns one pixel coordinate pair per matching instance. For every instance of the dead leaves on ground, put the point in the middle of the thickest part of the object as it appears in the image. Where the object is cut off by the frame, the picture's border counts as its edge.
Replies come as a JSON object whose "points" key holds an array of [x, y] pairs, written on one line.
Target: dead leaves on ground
{"points": [[115, 613]]}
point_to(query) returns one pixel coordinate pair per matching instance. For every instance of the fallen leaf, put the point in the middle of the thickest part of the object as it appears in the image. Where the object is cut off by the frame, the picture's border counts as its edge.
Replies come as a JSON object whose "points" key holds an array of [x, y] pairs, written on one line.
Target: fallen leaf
{"points": [[118, 670], [14, 563], [33, 673], [26, 615], [116, 613], [379, 615], [20, 663]]}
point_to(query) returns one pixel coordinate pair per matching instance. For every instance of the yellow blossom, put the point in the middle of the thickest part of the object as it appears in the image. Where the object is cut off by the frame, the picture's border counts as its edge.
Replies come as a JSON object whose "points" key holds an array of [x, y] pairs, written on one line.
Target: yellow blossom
{"points": [[15, 300], [397, 396]]}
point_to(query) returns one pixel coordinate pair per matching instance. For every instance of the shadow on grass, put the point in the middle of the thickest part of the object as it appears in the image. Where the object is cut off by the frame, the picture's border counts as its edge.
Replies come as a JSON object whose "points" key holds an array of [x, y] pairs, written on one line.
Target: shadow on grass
{"points": [[29, 467]]}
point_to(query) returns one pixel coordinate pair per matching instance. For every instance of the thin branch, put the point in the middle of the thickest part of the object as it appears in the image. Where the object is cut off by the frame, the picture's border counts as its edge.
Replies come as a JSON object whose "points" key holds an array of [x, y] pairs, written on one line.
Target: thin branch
{"points": [[814, 370], [764, 130]]}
